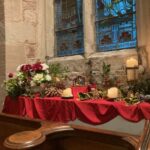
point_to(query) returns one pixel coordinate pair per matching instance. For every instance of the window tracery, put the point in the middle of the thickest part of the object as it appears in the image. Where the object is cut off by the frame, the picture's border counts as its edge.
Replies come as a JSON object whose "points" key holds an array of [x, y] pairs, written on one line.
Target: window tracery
{"points": [[115, 24], [69, 28]]}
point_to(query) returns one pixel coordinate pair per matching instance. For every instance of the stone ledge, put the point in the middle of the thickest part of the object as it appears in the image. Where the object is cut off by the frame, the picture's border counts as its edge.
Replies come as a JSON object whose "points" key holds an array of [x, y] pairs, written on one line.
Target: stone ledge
{"points": [[121, 53], [66, 58]]}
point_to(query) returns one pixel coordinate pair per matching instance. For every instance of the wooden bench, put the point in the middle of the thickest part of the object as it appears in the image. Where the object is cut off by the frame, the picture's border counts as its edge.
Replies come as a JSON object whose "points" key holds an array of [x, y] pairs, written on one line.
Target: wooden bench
{"points": [[22, 133]]}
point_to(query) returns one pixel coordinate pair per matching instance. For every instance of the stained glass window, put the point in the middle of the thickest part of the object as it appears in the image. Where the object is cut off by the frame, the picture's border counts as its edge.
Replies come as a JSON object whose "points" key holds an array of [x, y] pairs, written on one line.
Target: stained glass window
{"points": [[115, 24], [69, 28]]}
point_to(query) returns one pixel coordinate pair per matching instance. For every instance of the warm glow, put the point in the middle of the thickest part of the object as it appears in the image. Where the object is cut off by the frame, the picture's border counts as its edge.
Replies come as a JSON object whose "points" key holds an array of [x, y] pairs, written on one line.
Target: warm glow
{"points": [[131, 62], [113, 92]]}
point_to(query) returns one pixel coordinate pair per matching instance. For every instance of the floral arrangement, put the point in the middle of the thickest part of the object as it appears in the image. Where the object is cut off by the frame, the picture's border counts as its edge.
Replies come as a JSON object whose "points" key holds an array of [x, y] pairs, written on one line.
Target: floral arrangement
{"points": [[27, 78], [39, 78]]}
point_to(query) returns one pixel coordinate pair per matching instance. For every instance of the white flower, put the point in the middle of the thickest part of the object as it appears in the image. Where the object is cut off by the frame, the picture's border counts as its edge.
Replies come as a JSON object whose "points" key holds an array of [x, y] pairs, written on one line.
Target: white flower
{"points": [[48, 78], [19, 67], [38, 78], [44, 66]]}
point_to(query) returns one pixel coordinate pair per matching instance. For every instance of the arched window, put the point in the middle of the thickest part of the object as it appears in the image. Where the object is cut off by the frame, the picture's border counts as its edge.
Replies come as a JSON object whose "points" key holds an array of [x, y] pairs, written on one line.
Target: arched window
{"points": [[68, 27], [115, 24]]}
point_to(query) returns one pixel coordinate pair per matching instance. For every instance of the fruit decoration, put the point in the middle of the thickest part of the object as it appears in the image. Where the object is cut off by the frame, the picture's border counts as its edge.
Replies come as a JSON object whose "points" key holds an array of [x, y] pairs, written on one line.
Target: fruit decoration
{"points": [[94, 94]]}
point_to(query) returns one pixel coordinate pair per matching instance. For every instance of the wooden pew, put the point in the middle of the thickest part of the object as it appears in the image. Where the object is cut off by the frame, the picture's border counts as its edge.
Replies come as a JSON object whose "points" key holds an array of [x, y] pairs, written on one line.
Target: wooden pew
{"points": [[22, 133]]}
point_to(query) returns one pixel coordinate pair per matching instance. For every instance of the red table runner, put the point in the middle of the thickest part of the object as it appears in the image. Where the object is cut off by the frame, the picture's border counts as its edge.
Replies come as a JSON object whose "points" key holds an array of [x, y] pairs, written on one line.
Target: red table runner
{"points": [[64, 110]]}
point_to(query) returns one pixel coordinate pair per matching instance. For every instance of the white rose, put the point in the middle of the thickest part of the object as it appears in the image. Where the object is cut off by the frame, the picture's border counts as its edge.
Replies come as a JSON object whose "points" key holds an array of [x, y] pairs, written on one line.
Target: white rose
{"points": [[48, 78], [38, 78]]}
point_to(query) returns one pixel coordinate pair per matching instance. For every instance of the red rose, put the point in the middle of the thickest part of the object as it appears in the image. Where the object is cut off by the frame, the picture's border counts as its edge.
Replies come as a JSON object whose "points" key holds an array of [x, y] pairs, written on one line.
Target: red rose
{"points": [[37, 67], [10, 75], [26, 68]]}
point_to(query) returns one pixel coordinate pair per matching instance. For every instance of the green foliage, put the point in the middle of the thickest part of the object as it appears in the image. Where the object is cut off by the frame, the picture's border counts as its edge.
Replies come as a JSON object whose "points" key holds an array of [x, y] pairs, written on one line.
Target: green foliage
{"points": [[132, 100], [141, 86], [32, 79], [13, 88], [84, 96], [105, 69], [56, 70], [94, 94], [106, 79]]}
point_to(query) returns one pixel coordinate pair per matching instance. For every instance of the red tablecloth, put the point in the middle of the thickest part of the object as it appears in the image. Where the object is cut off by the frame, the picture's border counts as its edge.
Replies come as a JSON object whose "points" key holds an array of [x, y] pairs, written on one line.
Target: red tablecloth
{"points": [[90, 111]]}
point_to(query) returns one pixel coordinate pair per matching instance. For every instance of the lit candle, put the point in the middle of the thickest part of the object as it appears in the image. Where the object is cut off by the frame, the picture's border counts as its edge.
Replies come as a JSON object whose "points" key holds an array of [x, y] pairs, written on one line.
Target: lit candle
{"points": [[113, 92], [131, 62]]}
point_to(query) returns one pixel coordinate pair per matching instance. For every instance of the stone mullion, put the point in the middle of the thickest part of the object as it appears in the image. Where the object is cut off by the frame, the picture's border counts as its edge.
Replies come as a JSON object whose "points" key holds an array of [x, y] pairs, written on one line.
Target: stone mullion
{"points": [[40, 34], [50, 26], [89, 27]]}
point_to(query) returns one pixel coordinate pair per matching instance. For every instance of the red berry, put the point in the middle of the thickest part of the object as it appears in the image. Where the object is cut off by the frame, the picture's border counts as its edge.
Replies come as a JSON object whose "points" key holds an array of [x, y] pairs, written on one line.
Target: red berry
{"points": [[10, 75]]}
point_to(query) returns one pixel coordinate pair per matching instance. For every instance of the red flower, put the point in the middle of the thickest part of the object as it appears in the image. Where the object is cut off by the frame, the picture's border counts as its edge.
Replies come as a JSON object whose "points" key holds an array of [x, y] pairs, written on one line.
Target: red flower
{"points": [[37, 67], [10, 75], [26, 68]]}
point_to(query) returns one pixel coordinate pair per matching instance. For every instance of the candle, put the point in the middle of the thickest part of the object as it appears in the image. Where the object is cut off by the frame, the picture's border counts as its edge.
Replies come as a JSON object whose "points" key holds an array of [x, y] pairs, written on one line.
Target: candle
{"points": [[67, 93], [131, 63], [113, 92]]}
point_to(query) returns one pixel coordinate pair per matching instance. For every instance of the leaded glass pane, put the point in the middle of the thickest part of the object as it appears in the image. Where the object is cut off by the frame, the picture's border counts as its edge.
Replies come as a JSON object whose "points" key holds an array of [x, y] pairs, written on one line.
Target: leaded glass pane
{"points": [[115, 24], [69, 29]]}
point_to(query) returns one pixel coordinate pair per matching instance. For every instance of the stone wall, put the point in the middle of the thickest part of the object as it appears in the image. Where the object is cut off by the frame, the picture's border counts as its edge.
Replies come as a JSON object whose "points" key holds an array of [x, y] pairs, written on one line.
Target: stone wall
{"points": [[2, 48], [18, 35], [93, 64], [20, 27], [24, 31]]}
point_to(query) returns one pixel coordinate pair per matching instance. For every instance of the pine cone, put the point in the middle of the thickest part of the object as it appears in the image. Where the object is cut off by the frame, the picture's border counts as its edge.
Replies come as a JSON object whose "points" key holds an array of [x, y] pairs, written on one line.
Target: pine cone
{"points": [[53, 91]]}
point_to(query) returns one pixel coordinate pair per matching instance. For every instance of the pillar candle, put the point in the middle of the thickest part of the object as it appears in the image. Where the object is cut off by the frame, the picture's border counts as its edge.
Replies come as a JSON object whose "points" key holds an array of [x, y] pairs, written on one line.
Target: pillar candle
{"points": [[113, 92], [132, 73]]}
